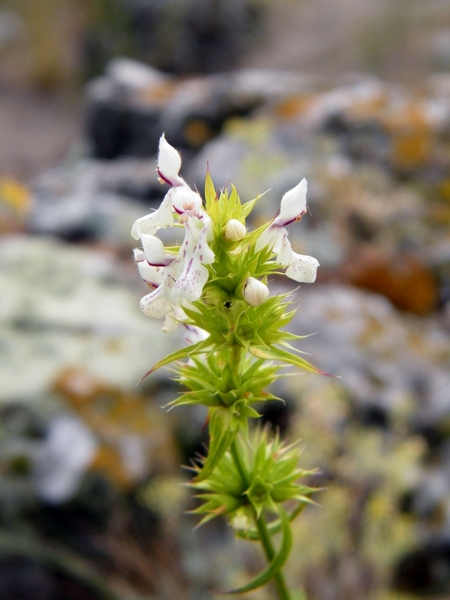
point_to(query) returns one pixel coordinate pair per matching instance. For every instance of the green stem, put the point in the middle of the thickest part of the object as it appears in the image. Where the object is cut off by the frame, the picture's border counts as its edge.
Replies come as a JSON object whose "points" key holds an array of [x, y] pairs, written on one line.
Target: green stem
{"points": [[238, 462], [235, 362], [264, 534], [266, 541]]}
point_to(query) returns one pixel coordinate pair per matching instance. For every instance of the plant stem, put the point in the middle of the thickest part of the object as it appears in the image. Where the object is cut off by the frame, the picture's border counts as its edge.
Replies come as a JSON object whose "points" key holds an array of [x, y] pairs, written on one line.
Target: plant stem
{"points": [[264, 535], [266, 541], [236, 352], [238, 462]]}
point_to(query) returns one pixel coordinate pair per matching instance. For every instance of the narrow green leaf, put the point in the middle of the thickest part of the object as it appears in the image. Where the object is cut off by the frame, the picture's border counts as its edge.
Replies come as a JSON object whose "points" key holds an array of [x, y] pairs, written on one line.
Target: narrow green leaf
{"points": [[286, 357], [178, 355], [210, 191], [248, 206]]}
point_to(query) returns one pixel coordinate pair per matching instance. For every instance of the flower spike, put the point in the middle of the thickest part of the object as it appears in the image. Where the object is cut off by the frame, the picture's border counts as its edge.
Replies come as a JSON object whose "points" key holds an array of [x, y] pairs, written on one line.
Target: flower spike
{"points": [[214, 283]]}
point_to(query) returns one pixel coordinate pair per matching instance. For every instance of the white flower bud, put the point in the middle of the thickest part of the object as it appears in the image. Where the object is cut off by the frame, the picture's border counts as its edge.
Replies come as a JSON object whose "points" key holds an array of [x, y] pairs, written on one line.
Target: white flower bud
{"points": [[255, 292], [235, 231], [240, 522]]}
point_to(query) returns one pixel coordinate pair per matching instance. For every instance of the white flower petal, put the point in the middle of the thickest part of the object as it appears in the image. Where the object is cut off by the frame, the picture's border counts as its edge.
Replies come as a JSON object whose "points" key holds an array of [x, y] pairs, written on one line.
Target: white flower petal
{"points": [[169, 163], [160, 219], [152, 275], [148, 224], [154, 251], [205, 254], [173, 319], [185, 201], [155, 304], [302, 268], [138, 254], [194, 334], [269, 237], [191, 281], [165, 216], [284, 250], [293, 205]]}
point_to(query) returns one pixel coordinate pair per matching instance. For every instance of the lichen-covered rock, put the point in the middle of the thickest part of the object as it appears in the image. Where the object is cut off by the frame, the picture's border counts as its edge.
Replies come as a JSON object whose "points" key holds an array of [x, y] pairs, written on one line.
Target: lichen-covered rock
{"points": [[64, 306]]}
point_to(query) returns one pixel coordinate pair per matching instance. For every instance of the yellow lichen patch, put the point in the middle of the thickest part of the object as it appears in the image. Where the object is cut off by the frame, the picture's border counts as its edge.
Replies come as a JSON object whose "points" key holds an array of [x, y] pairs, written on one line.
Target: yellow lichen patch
{"points": [[124, 425], [411, 136], [443, 189], [107, 461], [369, 108], [157, 94], [197, 133], [15, 202], [294, 106]]}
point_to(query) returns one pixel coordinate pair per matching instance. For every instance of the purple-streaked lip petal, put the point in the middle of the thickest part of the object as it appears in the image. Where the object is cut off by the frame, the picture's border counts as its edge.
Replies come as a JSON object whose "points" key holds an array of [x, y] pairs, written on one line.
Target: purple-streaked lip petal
{"points": [[161, 176]]}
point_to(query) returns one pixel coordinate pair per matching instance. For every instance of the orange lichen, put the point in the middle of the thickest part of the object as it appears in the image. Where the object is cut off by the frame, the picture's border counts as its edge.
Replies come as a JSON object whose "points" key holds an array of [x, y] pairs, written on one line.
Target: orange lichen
{"points": [[411, 136], [404, 279], [15, 202], [294, 106]]}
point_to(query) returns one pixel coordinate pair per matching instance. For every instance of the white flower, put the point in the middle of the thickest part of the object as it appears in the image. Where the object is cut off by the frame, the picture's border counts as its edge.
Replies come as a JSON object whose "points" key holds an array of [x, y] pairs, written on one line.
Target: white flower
{"points": [[292, 208], [255, 292], [176, 279]]}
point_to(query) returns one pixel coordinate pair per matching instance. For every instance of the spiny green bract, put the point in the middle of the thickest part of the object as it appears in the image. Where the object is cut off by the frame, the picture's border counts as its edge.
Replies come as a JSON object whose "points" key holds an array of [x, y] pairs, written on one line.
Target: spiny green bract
{"points": [[212, 382], [268, 477]]}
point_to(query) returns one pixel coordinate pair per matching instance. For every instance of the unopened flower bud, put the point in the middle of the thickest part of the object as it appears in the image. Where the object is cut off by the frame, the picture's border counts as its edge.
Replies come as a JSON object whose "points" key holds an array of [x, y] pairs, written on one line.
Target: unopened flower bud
{"points": [[255, 292], [240, 521], [235, 231]]}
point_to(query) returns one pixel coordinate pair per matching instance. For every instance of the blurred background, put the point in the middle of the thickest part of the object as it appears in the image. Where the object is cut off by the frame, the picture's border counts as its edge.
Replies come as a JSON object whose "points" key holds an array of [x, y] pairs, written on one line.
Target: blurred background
{"points": [[352, 94]]}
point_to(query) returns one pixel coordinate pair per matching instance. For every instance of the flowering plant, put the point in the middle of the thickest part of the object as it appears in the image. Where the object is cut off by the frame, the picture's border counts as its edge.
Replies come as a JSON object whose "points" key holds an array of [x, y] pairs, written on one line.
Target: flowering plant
{"points": [[215, 284]]}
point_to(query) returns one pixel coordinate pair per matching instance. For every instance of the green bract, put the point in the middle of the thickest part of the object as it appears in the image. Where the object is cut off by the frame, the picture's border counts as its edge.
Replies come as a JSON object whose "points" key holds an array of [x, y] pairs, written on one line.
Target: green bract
{"points": [[266, 475]]}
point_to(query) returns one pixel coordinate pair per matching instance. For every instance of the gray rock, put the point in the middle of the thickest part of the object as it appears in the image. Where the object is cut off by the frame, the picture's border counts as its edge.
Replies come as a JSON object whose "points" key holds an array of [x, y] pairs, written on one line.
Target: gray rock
{"points": [[63, 306], [92, 200], [375, 350]]}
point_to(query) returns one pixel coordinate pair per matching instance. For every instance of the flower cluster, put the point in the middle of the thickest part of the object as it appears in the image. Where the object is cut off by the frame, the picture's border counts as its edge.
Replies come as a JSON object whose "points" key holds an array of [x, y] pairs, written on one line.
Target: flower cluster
{"points": [[177, 276]]}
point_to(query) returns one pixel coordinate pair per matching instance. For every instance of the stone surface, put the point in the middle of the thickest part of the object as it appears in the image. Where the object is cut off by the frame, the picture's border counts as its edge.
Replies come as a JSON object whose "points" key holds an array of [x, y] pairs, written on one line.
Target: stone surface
{"points": [[63, 306]]}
